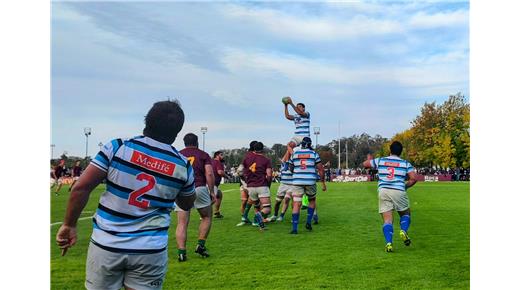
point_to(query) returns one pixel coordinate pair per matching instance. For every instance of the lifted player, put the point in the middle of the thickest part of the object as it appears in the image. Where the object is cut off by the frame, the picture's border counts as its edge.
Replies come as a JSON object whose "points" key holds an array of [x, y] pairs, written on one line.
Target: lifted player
{"points": [[392, 172], [302, 123]]}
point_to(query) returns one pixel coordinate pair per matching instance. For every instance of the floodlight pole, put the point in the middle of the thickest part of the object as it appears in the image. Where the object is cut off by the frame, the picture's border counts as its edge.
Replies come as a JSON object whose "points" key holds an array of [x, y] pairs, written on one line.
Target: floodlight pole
{"points": [[339, 147], [100, 145], [204, 130], [316, 132], [87, 131]]}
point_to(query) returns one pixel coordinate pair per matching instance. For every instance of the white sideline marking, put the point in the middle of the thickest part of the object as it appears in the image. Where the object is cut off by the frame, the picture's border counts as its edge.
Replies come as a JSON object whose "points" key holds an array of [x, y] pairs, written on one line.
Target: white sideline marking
{"points": [[89, 217]]}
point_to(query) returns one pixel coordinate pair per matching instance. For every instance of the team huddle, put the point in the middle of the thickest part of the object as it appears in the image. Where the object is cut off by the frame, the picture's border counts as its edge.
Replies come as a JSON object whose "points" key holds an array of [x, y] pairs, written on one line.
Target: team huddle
{"points": [[146, 178]]}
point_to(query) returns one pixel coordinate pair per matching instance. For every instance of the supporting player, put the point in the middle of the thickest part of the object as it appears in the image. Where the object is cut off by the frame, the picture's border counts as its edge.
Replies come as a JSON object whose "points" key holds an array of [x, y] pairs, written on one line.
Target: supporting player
{"points": [[76, 172], [285, 189], [393, 172], [218, 172], [258, 173], [304, 162], [204, 190], [302, 123], [245, 204], [144, 176]]}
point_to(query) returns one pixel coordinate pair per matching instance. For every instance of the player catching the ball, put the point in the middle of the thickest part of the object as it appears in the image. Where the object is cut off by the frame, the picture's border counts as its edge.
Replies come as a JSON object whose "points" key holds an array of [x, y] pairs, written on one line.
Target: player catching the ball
{"points": [[302, 122]]}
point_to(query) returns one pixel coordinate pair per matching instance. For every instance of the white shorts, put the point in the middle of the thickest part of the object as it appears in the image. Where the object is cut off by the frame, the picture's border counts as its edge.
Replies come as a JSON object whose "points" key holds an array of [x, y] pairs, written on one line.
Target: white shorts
{"points": [[258, 192], [75, 178], [297, 139], [309, 190], [390, 199], [108, 270], [283, 190], [56, 181], [202, 200]]}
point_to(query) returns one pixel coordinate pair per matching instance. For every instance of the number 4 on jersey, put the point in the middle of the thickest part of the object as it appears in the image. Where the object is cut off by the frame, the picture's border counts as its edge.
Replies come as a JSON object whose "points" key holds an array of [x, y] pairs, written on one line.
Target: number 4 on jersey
{"points": [[253, 167]]}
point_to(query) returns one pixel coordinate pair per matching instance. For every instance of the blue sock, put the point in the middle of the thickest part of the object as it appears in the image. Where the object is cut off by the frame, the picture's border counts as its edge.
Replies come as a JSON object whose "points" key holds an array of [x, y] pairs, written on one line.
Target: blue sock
{"points": [[310, 213], [388, 231], [295, 219], [405, 222], [258, 218]]}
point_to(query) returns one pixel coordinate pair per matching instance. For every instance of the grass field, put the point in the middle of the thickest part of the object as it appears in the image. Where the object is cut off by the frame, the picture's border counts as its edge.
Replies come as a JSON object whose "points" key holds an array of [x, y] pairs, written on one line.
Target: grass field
{"points": [[345, 250]]}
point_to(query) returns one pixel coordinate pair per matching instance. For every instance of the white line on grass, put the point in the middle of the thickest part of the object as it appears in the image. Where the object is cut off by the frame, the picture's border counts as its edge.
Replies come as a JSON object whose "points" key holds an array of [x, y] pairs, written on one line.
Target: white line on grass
{"points": [[89, 217]]}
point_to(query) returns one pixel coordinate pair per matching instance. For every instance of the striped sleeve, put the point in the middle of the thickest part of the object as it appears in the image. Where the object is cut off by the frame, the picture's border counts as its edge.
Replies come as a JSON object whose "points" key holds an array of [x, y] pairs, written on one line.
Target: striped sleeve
{"points": [[318, 159], [409, 167], [103, 158], [189, 187], [374, 163]]}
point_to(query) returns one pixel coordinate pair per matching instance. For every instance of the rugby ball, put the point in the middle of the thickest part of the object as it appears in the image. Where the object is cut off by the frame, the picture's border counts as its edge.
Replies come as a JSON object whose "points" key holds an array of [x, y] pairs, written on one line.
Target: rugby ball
{"points": [[286, 100]]}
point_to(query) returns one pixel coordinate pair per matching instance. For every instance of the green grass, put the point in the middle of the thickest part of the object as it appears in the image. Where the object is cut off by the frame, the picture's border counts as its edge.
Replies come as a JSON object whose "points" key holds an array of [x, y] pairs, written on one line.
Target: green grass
{"points": [[344, 251]]}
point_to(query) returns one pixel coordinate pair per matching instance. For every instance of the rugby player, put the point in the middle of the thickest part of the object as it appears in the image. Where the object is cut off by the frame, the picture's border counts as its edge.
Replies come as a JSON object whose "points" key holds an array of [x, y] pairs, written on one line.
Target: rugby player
{"points": [[245, 204], [218, 172], [76, 172], [285, 189], [302, 123], [393, 172], [57, 175], [304, 162], [204, 190], [258, 173], [144, 175]]}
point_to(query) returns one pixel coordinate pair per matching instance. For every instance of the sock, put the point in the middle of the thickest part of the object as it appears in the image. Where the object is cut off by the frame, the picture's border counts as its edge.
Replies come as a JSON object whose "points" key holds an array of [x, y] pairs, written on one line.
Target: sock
{"points": [[201, 242], [277, 208], [181, 251], [295, 219], [388, 231], [310, 213], [246, 210], [282, 214], [259, 219], [405, 222]]}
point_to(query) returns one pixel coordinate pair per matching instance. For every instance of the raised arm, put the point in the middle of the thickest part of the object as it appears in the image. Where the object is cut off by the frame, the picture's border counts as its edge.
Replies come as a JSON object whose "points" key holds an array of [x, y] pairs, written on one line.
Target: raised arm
{"points": [[287, 115]]}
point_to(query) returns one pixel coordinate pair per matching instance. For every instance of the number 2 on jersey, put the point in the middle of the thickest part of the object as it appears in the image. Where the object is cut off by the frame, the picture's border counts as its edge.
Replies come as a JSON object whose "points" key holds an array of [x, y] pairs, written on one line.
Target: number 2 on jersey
{"points": [[253, 167], [134, 195]]}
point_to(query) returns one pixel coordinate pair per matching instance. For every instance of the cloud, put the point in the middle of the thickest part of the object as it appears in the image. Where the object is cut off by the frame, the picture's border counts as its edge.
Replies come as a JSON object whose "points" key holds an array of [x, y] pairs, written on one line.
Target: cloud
{"points": [[449, 19]]}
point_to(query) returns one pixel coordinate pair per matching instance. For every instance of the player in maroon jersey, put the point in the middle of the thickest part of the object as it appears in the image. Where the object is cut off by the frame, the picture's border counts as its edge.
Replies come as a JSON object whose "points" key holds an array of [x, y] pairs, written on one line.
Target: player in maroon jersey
{"points": [[218, 171], [258, 173], [76, 172], [245, 206], [57, 174], [204, 190]]}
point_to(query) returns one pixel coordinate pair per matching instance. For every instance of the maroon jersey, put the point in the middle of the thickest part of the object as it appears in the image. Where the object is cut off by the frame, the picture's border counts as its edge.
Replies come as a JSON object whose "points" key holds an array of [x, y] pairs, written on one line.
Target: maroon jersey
{"points": [[76, 171], [217, 165], [58, 171], [255, 169], [198, 159]]}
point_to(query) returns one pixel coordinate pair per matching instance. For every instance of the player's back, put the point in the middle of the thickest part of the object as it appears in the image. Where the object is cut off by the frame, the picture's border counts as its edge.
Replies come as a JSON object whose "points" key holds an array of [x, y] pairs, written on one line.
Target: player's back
{"points": [[198, 160], [255, 169], [144, 177], [392, 171], [304, 163], [286, 175]]}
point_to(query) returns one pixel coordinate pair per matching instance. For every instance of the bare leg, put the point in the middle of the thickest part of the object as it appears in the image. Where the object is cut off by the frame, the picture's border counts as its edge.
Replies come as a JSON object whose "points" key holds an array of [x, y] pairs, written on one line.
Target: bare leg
{"points": [[205, 223], [183, 218]]}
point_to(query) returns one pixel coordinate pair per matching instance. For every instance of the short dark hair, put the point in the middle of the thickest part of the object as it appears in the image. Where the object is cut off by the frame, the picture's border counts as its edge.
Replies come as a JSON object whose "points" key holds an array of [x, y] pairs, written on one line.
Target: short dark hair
{"points": [[306, 143], [191, 139], [164, 121], [259, 146], [252, 145], [303, 105], [216, 154], [396, 148]]}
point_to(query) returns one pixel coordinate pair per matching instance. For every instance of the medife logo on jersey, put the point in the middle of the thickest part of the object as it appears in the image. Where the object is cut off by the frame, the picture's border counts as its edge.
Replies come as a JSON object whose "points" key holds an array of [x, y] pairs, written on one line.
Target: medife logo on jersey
{"points": [[392, 164], [154, 164]]}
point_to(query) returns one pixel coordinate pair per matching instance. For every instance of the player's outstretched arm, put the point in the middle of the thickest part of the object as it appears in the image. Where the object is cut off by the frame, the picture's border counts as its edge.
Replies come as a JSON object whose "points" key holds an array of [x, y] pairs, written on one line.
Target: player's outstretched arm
{"points": [[287, 115], [92, 177]]}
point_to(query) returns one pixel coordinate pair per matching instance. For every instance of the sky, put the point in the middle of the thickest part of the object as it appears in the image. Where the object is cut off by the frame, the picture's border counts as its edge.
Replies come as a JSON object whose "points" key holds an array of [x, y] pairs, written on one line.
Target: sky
{"points": [[365, 66]]}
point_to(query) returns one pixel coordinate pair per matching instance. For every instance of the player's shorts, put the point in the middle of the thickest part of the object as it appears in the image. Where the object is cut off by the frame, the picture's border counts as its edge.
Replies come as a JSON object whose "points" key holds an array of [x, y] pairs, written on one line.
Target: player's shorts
{"points": [[75, 178], [390, 199], [300, 190], [58, 181], [108, 270], [258, 192], [202, 200], [283, 190], [297, 139]]}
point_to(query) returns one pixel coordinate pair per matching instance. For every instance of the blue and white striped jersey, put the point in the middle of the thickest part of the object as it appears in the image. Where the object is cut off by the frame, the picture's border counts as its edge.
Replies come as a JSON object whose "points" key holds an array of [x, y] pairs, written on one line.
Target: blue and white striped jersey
{"points": [[392, 171], [304, 161], [144, 177], [302, 125], [286, 176]]}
